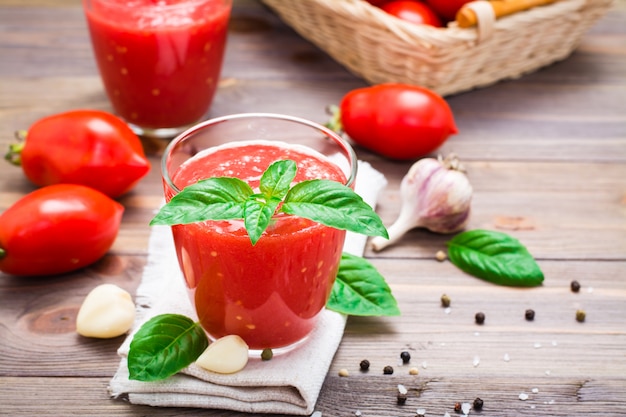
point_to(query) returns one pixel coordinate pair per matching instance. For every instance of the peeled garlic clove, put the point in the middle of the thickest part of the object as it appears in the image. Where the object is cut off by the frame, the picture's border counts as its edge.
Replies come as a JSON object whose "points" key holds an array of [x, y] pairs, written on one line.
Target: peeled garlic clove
{"points": [[436, 195], [227, 355], [107, 311]]}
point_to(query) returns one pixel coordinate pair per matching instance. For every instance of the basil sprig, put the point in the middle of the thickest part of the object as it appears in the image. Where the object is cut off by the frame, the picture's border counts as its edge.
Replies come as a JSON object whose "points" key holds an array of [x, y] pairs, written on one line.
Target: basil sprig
{"points": [[167, 343], [495, 257], [360, 290], [225, 198], [164, 345]]}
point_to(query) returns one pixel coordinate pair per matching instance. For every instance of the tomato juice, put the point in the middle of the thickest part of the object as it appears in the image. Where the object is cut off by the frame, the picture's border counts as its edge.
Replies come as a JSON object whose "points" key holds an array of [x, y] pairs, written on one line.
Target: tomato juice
{"points": [[271, 293], [160, 60]]}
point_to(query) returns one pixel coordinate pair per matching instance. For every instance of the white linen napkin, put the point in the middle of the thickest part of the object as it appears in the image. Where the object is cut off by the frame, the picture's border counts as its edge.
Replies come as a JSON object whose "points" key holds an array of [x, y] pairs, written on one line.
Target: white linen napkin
{"points": [[288, 384]]}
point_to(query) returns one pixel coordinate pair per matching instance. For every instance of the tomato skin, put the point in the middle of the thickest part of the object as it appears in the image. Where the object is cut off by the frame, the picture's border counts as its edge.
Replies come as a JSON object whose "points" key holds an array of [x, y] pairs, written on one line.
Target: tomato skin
{"points": [[57, 229], [412, 11], [398, 121], [446, 8], [88, 147]]}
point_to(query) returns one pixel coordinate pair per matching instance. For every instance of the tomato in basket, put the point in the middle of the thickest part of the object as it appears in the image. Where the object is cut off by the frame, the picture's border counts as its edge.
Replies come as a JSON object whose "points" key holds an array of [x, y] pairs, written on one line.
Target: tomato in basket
{"points": [[446, 9], [412, 11], [398, 121]]}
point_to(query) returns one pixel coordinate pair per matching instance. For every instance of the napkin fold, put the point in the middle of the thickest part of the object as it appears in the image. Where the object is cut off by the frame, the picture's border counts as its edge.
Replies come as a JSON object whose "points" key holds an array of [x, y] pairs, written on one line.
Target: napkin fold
{"points": [[290, 383]]}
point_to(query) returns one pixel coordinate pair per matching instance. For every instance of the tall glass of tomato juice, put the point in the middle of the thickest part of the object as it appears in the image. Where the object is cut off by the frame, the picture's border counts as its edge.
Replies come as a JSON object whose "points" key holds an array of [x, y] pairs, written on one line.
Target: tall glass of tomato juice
{"points": [[159, 60], [271, 293]]}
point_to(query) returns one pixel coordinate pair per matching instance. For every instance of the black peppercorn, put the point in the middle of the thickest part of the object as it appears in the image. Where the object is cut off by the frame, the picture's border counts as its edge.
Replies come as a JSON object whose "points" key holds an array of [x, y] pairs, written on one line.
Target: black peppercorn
{"points": [[457, 407], [480, 318], [445, 301], [364, 365], [401, 398], [478, 404], [387, 370], [405, 356], [530, 314], [267, 354], [575, 286]]}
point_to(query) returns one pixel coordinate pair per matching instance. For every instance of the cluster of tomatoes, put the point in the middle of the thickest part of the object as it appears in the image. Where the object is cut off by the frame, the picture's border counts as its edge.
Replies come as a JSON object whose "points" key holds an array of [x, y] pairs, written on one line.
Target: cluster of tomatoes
{"points": [[429, 12], [81, 161]]}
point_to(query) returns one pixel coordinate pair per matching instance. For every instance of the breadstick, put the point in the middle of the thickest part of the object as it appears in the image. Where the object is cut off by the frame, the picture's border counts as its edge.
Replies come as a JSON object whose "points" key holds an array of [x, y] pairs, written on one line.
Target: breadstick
{"points": [[466, 17]]}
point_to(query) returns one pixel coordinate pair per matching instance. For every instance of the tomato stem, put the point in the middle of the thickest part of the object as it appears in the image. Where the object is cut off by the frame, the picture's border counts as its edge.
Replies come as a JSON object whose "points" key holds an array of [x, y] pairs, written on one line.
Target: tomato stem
{"points": [[14, 154], [335, 121], [3, 253]]}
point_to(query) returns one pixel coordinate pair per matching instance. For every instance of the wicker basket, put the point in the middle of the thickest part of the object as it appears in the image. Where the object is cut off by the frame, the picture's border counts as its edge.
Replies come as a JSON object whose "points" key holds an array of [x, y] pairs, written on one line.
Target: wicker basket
{"points": [[381, 48]]}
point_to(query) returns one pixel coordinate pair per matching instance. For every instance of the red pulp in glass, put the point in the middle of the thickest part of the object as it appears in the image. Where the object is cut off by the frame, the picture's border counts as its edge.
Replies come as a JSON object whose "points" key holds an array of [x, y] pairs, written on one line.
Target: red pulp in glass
{"points": [[269, 294], [160, 64]]}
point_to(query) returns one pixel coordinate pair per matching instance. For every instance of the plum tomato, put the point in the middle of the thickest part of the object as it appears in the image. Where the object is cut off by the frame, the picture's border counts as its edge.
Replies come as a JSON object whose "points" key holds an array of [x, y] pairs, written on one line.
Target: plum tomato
{"points": [[398, 121], [57, 229], [88, 147], [412, 11], [446, 9]]}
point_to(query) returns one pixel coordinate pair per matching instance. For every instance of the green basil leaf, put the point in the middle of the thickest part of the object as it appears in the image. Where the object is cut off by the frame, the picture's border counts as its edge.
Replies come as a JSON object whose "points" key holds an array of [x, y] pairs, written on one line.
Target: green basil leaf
{"points": [[333, 204], [360, 290], [277, 178], [257, 216], [218, 198], [163, 346], [495, 257]]}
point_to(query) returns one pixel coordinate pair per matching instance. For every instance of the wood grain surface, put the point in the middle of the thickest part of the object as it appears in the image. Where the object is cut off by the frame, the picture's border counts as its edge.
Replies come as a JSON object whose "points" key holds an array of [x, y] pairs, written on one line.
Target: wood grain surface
{"points": [[546, 155]]}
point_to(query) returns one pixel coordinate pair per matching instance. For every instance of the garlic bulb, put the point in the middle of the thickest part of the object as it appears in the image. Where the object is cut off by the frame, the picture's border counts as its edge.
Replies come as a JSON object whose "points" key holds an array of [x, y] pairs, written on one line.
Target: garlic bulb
{"points": [[436, 195]]}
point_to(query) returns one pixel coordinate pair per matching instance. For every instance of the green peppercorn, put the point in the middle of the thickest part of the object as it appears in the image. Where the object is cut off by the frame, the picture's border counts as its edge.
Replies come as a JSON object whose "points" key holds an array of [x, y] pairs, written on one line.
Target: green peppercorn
{"points": [[388, 370], [530, 314], [445, 301], [480, 318], [405, 356], [575, 286], [580, 315], [364, 365], [478, 404], [267, 354]]}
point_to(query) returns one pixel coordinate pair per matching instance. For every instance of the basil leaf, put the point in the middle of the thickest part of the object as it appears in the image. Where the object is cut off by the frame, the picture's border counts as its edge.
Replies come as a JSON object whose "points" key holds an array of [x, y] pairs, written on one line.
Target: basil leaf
{"points": [[164, 345], [360, 290], [333, 204], [218, 198], [277, 178], [495, 257], [257, 216]]}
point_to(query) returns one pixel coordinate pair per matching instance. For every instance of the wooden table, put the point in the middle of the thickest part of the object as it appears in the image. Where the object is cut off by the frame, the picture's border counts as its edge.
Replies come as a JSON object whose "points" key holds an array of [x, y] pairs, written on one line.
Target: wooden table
{"points": [[546, 155]]}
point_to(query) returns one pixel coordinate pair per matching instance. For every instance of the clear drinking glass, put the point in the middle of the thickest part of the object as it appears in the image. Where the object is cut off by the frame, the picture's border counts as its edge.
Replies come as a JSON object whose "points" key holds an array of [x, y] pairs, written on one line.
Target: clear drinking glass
{"points": [[270, 293], [160, 61]]}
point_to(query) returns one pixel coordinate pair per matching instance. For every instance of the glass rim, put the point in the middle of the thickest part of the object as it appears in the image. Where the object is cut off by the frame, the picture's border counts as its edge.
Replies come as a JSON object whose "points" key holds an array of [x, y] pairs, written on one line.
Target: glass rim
{"points": [[339, 140]]}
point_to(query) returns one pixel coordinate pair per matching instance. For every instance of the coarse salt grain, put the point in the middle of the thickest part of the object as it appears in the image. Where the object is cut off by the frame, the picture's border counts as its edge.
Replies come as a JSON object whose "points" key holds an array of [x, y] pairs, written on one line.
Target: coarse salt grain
{"points": [[402, 389], [506, 357], [421, 411], [523, 396], [446, 414], [476, 361], [535, 390], [447, 310], [465, 408], [424, 364], [537, 345], [357, 413], [317, 414]]}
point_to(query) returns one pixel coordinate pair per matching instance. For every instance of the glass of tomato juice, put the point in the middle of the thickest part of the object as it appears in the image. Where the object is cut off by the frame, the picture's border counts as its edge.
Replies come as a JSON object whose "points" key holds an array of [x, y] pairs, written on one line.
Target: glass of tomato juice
{"points": [[159, 60], [270, 293]]}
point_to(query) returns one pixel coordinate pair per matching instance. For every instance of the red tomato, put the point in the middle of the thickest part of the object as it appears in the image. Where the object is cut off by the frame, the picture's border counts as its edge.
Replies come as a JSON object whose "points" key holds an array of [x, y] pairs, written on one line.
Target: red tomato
{"points": [[378, 3], [88, 147], [398, 121], [57, 229], [412, 11], [446, 8]]}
